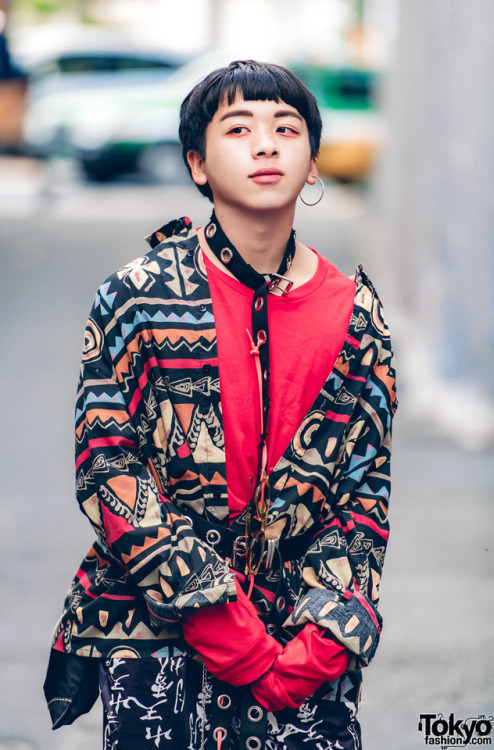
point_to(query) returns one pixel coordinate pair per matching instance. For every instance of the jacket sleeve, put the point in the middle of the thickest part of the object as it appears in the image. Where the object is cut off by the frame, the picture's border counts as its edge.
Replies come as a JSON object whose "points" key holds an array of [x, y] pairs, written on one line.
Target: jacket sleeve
{"points": [[120, 491], [342, 568]]}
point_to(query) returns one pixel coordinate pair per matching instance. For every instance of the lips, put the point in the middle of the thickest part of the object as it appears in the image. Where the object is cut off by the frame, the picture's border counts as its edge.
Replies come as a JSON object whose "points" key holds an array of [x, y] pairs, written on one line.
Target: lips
{"points": [[266, 176], [267, 171]]}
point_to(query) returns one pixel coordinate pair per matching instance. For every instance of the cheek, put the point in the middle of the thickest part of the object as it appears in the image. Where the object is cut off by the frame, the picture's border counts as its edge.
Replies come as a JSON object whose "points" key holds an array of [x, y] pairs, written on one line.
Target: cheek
{"points": [[306, 154], [301, 161], [224, 164]]}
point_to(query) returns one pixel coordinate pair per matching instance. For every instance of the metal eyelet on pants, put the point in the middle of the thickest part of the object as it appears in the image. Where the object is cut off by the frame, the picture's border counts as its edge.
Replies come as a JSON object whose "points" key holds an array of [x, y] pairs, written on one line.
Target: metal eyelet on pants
{"points": [[222, 730], [255, 713], [253, 743], [227, 701]]}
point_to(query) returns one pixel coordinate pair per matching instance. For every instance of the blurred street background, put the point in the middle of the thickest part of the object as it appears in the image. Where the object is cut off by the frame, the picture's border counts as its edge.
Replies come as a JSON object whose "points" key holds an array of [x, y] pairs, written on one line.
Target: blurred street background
{"points": [[90, 164]]}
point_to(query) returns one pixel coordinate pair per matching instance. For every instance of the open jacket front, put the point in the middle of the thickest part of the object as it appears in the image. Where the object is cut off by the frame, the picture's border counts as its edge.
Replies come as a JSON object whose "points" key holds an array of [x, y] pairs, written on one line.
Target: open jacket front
{"points": [[150, 448]]}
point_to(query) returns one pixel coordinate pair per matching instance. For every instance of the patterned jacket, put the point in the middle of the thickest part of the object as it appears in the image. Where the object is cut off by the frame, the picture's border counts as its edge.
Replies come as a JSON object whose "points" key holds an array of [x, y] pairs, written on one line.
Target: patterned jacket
{"points": [[150, 448]]}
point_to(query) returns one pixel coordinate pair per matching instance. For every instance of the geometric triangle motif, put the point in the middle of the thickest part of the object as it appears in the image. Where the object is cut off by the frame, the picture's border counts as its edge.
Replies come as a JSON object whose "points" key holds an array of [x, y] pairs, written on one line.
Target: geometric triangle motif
{"points": [[189, 286], [143, 491], [206, 385], [332, 540], [114, 503], [183, 387], [213, 427], [379, 553], [356, 544], [345, 397], [359, 322], [161, 384], [176, 437], [99, 463], [203, 386], [83, 480], [195, 583], [150, 405]]}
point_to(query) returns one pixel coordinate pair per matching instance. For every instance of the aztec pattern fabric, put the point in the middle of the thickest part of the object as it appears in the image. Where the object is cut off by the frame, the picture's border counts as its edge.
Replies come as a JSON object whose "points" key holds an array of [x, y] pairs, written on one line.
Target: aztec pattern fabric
{"points": [[150, 447], [152, 702]]}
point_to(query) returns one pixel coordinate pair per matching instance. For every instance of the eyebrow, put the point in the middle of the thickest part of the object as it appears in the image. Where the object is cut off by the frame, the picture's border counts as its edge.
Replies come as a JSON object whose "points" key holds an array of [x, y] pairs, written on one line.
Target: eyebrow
{"points": [[289, 113], [248, 113]]}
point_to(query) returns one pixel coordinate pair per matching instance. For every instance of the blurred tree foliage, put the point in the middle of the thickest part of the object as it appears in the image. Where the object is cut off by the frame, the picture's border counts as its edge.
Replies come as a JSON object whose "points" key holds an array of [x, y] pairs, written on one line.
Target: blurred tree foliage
{"points": [[45, 8]]}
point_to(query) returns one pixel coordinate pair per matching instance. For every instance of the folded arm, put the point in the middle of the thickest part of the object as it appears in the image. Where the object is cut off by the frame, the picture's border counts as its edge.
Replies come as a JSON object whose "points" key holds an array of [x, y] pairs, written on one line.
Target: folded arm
{"points": [[342, 567], [120, 491]]}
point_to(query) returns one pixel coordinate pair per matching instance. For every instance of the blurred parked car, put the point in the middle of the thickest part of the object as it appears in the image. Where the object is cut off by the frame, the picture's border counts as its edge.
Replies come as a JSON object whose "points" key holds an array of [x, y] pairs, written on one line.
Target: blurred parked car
{"points": [[80, 93], [99, 68], [116, 129], [353, 126]]}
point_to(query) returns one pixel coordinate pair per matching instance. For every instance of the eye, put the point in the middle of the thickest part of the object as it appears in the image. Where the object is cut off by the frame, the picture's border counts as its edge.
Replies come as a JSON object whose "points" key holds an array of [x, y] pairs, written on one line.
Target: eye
{"points": [[237, 130], [286, 130]]}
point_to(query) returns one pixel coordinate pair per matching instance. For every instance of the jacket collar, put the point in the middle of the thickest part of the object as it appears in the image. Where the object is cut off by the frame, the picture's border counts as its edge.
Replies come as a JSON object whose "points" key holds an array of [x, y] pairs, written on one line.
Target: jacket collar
{"points": [[178, 227]]}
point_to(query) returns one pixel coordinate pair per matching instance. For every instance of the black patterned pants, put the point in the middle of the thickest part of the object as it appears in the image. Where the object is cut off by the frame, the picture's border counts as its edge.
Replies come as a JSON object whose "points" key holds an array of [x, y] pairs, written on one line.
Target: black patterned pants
{"points": [[157, 703]]}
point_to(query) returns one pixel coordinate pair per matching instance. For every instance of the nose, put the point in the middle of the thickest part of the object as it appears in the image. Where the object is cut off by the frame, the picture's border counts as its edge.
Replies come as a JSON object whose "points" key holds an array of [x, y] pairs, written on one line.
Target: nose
{"points": [[264, 144]]}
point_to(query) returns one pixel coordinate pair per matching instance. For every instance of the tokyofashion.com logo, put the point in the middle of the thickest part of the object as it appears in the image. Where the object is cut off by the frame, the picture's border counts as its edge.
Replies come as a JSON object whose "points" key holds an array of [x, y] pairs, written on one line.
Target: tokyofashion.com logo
{"points": [[452, 732]]}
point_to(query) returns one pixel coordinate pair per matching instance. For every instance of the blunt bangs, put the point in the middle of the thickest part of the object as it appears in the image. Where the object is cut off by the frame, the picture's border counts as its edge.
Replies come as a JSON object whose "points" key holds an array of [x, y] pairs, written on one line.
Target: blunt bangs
{"points": [[252, 81]]}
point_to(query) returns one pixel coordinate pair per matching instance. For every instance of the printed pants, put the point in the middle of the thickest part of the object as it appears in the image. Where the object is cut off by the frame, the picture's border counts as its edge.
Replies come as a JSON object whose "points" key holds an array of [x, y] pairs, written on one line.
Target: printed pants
{"points": [[157, 703]]}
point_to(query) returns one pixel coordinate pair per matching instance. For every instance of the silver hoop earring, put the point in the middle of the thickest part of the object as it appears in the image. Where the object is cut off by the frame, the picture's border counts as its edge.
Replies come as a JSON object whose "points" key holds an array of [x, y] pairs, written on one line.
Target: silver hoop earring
{"points": [[320, 197]]}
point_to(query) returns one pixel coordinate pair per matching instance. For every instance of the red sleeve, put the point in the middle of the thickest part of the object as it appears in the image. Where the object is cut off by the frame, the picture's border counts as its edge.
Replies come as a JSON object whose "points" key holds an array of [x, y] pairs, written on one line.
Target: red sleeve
{"points": [[232, 640], [307, 661]]}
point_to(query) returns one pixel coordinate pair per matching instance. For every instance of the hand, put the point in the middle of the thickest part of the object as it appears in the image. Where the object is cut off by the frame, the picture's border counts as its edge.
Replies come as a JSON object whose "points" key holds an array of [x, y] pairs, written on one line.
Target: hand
{"points": [[306, 662], [232, 640]]}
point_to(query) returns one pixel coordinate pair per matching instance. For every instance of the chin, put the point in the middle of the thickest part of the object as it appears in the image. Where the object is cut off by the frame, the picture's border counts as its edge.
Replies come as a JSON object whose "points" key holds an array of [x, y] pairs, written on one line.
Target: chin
{"points": [[272, 202], [265, 202]]}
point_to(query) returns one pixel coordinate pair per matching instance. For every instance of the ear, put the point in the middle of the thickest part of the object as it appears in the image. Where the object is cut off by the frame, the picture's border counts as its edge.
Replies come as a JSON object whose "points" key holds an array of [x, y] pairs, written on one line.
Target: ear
{"points": [[312, 176], [196, 164]]}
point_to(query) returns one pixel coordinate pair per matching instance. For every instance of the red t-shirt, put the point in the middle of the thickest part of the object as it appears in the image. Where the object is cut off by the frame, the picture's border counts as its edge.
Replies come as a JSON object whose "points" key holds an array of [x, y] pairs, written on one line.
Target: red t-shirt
{"points": [[306, 330]]}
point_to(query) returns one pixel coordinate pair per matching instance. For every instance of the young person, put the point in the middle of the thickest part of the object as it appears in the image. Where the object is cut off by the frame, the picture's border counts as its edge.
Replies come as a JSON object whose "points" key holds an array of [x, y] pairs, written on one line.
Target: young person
{"points": [[233, 444]]}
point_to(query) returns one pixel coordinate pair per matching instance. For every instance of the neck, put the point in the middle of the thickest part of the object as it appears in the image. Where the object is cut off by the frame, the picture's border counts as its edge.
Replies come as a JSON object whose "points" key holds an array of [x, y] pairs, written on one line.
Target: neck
{"points": [[261, 238]]}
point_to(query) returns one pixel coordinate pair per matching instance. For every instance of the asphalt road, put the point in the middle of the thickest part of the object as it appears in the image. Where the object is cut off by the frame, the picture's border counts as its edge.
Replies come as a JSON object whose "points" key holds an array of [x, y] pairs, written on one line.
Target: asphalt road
{"points": [[58, 240]]}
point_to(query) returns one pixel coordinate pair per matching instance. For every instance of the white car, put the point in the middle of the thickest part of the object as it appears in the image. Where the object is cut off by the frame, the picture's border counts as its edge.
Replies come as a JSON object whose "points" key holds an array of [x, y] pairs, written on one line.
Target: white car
{"points": [[83, 88], [114, 128]]}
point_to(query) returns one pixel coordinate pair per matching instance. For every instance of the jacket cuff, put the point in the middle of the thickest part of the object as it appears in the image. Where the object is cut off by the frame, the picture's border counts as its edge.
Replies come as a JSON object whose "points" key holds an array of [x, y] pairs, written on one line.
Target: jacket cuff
{"points": [[212, 584], [349, 616]]}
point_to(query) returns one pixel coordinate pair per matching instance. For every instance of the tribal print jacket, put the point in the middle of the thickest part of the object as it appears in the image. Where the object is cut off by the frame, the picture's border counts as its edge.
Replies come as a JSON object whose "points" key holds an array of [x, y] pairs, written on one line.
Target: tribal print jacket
{"points": [[150, 448]]}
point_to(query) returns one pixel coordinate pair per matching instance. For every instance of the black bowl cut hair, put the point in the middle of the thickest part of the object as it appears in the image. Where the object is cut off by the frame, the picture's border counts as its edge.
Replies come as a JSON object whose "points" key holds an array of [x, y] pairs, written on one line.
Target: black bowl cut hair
{"points": [[254, 81]]}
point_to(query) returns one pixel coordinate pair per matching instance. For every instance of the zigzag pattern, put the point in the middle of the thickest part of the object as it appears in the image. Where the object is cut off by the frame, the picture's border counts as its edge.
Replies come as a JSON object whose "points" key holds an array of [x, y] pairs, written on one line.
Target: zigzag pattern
{"points": [[166, 350]]}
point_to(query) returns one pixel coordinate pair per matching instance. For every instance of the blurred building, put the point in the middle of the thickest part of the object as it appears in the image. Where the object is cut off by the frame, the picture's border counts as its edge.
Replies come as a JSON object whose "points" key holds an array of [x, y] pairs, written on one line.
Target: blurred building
{"points": [[436, 219], [267, 29]]}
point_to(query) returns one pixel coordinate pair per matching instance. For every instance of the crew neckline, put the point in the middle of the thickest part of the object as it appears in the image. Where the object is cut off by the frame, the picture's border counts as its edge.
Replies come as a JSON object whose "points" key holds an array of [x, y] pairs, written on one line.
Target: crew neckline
{"points": [[308, 287]]}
